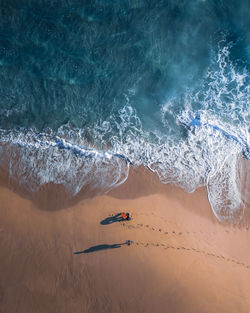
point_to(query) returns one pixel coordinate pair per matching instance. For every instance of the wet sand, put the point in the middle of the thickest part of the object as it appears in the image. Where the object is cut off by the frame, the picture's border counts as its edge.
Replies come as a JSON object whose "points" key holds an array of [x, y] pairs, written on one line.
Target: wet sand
{"points": [[182, 259]]}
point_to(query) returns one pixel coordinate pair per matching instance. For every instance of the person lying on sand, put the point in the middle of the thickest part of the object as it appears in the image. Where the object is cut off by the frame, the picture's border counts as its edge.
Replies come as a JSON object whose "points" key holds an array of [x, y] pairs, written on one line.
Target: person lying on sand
{"points": [[126, 216], [129, 242]]}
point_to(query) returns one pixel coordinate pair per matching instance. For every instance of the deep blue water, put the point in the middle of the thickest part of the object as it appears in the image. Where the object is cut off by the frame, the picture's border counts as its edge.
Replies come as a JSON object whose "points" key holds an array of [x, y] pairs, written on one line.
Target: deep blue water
{"points": [[88, 88]]}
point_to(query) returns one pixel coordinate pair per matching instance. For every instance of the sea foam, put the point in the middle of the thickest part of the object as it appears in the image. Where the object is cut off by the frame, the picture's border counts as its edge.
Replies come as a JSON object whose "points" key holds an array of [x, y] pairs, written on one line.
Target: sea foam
{"points": [[206, 150]]}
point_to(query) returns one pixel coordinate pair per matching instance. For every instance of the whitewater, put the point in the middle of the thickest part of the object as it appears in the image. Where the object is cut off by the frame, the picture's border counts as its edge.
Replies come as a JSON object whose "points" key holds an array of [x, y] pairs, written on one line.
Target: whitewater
{"points": [[81, 120]]}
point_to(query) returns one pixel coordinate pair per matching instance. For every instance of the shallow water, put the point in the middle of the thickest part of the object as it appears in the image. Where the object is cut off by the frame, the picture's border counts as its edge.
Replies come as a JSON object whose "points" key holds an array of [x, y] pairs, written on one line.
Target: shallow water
{"points": [[90, 87]]}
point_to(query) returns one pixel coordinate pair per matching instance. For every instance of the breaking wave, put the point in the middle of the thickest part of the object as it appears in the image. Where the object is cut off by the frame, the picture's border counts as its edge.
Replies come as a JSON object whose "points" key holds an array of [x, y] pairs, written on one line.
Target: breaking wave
{"points": [[197, 139]]}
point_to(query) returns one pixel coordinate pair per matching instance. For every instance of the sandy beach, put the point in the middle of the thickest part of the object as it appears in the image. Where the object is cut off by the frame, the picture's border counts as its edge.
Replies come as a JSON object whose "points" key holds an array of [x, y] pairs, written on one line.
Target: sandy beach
{"points": [[61, 256], [116, 108]]}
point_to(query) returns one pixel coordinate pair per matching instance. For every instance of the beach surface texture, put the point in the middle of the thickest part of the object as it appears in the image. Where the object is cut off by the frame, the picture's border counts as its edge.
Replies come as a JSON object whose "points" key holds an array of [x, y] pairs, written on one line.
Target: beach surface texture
{"points": [[109, 107], [76, 259]]}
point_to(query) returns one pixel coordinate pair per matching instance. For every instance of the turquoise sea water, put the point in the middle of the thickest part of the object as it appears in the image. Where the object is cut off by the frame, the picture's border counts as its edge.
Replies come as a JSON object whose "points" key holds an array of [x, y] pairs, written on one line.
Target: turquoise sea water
{"points": [[89, 88]]}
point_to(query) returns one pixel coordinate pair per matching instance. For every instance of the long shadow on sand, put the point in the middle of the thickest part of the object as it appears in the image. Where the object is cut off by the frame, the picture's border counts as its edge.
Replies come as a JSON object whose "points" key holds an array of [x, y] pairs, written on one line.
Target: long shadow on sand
{"points": [[112, 219], [100, 247]]}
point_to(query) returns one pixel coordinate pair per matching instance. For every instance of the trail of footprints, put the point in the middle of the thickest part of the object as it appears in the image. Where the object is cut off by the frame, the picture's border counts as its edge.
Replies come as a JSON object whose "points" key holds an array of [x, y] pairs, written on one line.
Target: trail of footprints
{"points": [[162, 231], [186, 231], [165, 246], [154, 229], [147, 244]]}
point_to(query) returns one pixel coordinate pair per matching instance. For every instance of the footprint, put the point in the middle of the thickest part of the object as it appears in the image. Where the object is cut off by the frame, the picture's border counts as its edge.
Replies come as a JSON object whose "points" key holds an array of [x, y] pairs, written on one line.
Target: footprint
{"points": [[183, 248]]}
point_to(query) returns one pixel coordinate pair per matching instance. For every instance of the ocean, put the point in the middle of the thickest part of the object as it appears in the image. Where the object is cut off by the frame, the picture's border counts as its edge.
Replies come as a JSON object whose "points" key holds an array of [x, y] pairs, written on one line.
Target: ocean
{"points": [[90, 88]]}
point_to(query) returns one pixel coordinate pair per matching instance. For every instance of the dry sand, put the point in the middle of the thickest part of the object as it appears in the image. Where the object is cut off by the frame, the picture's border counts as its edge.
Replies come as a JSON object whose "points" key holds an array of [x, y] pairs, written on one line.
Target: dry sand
{"points": [[182, 259]]}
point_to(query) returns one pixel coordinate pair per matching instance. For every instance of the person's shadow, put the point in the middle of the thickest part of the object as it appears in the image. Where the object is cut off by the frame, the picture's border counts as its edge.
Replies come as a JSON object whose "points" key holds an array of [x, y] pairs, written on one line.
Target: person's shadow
{"points": [[101, 247], [112, 219]]}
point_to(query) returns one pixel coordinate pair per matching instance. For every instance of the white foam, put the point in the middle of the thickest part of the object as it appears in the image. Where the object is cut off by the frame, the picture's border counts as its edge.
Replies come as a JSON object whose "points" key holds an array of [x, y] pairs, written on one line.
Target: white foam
{"points": [[35, 160], [208, 155], [223, 188]]}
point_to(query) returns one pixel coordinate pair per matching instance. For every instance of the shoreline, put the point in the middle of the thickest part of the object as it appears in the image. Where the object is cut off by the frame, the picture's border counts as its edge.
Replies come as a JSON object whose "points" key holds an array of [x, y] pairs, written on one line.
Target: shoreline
{"points": [[182, 258], [53, 197]]}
